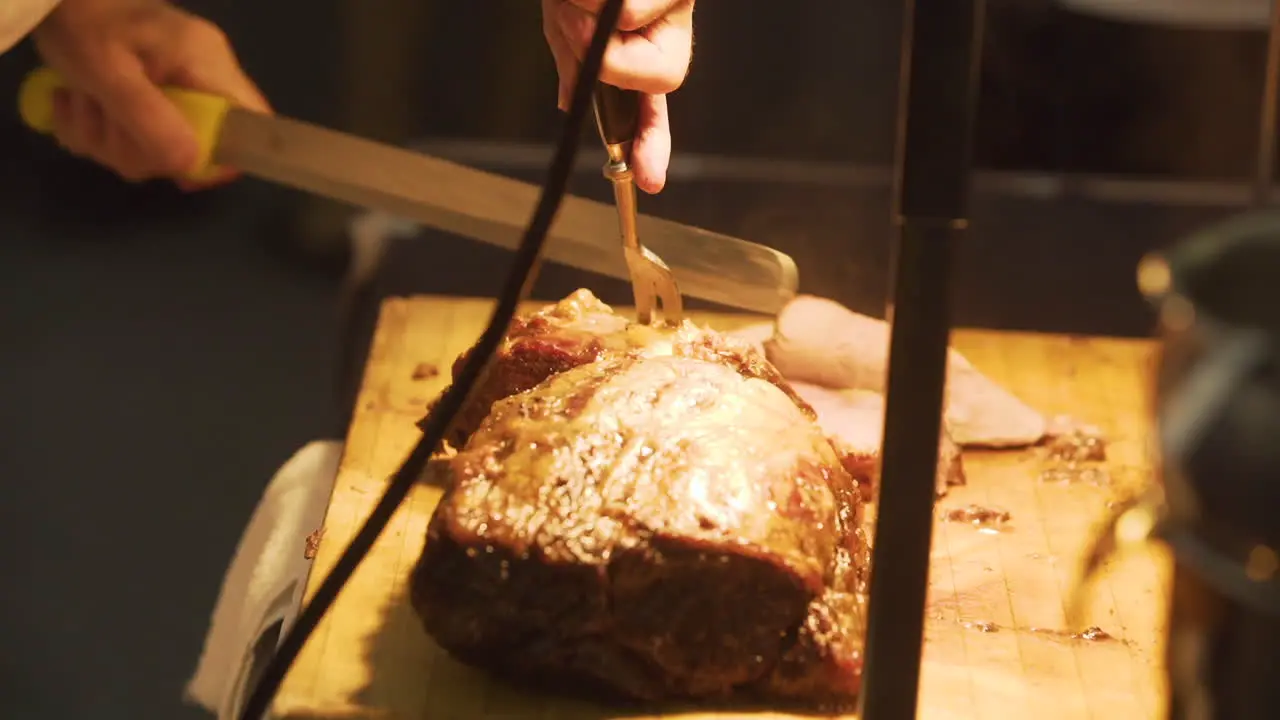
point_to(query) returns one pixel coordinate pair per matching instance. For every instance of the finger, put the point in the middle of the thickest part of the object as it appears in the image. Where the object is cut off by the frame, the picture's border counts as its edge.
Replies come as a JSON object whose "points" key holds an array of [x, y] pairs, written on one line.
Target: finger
{"points": [[196, 54], [62, 117], [242, 92], [651, 155], [655, 61], [68, 124], [119, 151], [223, 177], [209, 64], [203, 60], [566, 72], [561, 53], [230, 82], [635, 14], [133, 101], [81, 126]]}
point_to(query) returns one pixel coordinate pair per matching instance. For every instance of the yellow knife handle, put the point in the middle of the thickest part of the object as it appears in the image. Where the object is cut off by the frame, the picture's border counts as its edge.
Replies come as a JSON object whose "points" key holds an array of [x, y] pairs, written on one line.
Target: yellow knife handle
{"points": [[205, 112]]}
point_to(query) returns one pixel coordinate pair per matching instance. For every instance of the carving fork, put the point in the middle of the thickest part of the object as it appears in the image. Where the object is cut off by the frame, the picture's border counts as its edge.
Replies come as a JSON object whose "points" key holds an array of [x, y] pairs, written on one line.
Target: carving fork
{"points": [[617, 113]]}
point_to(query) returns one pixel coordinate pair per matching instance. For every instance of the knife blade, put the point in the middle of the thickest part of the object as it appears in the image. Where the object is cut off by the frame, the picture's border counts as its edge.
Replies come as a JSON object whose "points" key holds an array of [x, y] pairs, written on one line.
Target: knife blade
{"points": [[468, 202]]}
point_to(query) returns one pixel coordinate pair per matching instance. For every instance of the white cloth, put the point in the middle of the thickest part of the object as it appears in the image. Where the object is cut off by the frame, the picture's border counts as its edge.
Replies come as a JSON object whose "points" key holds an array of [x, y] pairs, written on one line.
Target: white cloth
{"points": [[19, 17], [267, 578]]}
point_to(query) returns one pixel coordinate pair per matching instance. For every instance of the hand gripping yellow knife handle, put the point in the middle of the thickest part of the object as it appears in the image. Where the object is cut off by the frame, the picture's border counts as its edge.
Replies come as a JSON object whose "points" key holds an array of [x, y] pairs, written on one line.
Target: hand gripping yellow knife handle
{"points": [[205, 112]]}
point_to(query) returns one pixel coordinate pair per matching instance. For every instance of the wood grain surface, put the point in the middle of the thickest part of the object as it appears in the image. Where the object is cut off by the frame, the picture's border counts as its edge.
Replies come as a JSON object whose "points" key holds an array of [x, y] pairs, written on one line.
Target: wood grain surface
{"points": [[997, 641]]}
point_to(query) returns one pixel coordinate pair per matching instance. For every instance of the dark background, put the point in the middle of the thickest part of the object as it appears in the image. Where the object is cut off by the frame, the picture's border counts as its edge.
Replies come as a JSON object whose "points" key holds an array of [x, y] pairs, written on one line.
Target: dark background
{"points": [[161, 355]]}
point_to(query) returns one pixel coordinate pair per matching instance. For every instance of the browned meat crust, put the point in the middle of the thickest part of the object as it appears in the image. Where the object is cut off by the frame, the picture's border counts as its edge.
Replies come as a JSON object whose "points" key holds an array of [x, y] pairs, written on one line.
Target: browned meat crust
{"points": [[662, 527]]}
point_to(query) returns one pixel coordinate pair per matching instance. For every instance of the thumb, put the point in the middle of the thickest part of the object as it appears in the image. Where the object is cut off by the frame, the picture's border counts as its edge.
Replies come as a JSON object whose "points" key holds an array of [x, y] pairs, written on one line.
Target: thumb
{"points": [[561, 53], [219, 73], [652, 153], [135, 103]]}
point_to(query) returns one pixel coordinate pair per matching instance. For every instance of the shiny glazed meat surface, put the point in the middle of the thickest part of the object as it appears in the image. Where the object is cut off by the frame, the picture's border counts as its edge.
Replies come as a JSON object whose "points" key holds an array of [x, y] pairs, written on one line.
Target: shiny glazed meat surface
{"points": [[581, 329], [658, 525]]}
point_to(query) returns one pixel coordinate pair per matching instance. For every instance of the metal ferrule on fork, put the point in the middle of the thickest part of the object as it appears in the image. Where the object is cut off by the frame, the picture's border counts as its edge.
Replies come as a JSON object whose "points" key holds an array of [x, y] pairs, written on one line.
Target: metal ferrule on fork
{"points": [[619, 173]]}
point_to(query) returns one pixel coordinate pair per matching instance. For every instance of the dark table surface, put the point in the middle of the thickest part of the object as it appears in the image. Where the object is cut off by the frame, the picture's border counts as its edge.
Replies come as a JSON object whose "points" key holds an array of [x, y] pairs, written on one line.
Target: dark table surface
{"points": [[158, 361]]}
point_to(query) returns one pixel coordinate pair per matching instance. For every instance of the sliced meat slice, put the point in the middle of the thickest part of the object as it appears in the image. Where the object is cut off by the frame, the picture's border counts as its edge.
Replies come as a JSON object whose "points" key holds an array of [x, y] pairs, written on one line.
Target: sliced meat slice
{"points": [[854, 420], [821, 342]]}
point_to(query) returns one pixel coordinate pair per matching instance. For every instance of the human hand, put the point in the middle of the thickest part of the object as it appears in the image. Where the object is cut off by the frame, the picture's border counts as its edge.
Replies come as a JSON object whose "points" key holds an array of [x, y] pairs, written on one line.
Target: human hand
{"points": [[650, 53], [114, 56]]}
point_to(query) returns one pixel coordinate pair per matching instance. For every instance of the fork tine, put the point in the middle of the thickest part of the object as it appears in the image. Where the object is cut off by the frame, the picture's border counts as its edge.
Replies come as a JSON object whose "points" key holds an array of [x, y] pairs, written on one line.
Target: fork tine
{"points": [[644, 301], [664, 286], [672, 305], [617, 112], [641, 283]]}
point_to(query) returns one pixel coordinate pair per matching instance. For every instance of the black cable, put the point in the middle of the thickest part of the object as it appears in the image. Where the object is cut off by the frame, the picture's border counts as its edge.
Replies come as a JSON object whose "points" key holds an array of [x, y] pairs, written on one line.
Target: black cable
{"points": [[523, 272]]}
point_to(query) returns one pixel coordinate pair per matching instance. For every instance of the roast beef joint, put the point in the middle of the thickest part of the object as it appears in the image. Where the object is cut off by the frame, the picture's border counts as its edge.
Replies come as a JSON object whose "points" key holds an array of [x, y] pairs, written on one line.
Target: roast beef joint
{"points": [[652, 512]]}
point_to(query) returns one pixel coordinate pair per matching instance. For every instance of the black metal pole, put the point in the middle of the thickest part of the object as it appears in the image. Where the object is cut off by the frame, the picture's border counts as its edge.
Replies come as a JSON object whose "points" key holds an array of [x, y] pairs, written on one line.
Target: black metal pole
{"points": [[941, 49]]}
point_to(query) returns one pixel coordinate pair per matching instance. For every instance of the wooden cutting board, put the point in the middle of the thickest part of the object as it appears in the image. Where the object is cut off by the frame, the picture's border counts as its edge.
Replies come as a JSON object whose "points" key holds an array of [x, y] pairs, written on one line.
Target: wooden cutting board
{"points": [[997, 643]]}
